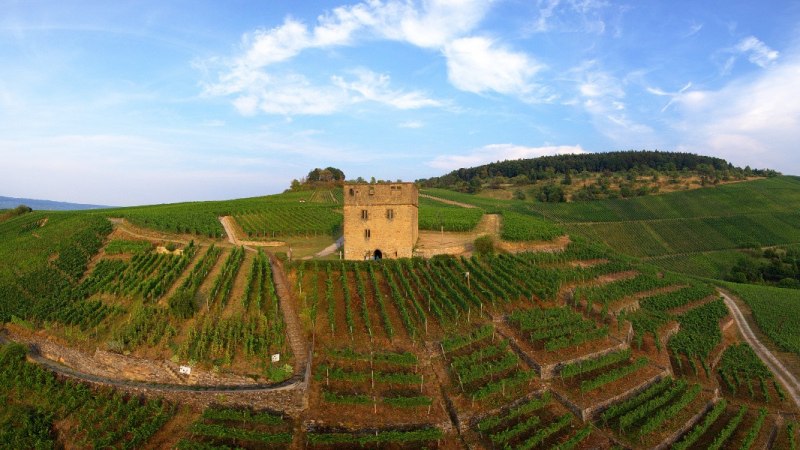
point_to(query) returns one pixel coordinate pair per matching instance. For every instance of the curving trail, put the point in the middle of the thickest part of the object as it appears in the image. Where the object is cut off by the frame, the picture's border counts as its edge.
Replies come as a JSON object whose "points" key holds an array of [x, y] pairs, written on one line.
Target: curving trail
{"points": [[784, 376]]}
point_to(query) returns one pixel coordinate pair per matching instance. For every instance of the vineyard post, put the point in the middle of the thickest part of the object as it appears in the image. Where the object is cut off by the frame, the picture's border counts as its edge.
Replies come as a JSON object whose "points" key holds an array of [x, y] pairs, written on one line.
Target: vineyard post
{"points": [[375, 408], [327, 377], [372, 378], [422, 380]]}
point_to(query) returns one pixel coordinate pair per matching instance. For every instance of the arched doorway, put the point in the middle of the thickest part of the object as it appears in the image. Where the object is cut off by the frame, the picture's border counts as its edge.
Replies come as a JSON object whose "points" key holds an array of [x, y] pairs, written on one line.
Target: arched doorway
{"points": [[377, 254]]}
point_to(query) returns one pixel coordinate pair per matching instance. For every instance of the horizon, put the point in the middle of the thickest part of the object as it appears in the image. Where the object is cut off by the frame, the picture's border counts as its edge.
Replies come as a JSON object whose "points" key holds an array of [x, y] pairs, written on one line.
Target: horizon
{"points": [[137, 104]]}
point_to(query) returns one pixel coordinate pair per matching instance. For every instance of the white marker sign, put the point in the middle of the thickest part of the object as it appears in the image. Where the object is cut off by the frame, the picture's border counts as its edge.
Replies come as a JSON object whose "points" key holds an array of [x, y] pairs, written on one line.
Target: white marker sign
{"points": [[276, 357], [185, 370]]}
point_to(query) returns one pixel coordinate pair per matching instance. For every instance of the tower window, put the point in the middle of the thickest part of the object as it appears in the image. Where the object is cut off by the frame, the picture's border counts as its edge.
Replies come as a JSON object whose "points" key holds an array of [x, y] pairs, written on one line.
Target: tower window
{"points": [[367, 234], [352, 192], [390, 214], [364, 214]]}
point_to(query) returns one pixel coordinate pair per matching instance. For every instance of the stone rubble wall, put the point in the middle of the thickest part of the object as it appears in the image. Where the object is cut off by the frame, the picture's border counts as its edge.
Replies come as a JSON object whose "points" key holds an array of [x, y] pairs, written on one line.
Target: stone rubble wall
{"points": [[124, 368]]}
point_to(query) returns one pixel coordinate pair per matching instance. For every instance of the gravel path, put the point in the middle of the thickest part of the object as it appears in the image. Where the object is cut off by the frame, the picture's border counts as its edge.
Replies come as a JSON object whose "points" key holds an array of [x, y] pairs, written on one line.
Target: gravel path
{"points": [[783, 374]]}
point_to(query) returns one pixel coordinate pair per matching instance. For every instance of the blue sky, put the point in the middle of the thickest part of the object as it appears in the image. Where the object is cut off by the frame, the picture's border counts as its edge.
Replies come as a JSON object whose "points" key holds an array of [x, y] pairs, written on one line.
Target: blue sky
{"points": [[149, 102]]}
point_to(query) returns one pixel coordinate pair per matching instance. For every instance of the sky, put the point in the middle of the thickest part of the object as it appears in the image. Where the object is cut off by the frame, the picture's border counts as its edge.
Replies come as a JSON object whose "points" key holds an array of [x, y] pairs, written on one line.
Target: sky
{"points": [[126, 103]]}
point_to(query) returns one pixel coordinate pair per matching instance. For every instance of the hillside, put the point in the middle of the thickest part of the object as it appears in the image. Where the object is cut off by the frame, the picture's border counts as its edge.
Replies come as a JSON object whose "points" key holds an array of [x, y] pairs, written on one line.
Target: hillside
{"points": [[581, 340]]}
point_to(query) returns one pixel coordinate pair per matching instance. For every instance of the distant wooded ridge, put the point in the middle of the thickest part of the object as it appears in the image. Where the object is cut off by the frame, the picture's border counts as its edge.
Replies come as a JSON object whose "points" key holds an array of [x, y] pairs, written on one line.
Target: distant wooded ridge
{"points": [[621, 161], [45, 205]]}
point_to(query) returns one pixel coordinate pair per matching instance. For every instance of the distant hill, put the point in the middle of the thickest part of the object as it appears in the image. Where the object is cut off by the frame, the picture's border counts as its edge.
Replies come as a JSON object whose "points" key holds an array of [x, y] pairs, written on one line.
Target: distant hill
{"points": [[47, 205], [548, 168]]}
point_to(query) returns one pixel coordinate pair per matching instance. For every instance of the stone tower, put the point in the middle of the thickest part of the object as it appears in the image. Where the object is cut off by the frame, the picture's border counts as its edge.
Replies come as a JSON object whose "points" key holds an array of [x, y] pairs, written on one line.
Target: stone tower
{"points": [[380, 220]]}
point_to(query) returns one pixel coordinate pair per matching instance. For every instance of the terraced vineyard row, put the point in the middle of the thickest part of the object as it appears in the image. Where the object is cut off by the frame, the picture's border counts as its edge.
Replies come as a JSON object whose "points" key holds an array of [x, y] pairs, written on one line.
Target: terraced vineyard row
{"points": [[482, 366]]}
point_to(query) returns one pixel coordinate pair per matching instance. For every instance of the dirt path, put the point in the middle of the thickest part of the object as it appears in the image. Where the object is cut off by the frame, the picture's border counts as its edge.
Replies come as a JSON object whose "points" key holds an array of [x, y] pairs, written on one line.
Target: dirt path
{"points": [[449, 202], [781, 372], [230, 229], [293, 329]]}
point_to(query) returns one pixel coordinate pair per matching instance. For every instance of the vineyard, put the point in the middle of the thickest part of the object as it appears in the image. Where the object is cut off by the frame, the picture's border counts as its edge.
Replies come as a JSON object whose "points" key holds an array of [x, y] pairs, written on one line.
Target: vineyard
{"points": [[663, 406], [412, 297], [744, 374], [523, 227], [283, 221], [532, 423], [293, 213], [436, 216], [372, 387]]}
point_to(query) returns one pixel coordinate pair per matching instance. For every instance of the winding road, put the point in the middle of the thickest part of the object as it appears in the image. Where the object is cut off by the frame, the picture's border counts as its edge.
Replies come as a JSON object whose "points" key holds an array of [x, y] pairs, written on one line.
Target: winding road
{"points": [[784, 376]]}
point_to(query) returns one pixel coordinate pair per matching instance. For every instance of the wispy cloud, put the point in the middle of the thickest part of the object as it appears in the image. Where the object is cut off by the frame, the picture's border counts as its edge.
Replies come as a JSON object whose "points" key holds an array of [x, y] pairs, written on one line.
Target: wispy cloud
{"points": [[413, 124], [694, 28], [756, 51], [673, 96], [375, 87], [499, 152], [602, 95], [587, 16]]}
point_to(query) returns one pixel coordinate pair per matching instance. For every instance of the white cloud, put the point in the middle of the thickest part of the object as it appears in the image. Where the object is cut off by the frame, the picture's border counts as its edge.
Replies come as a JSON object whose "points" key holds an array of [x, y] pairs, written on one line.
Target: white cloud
{"points": [[499, 152], [475, 64], [478, 64], [749, 121]]}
